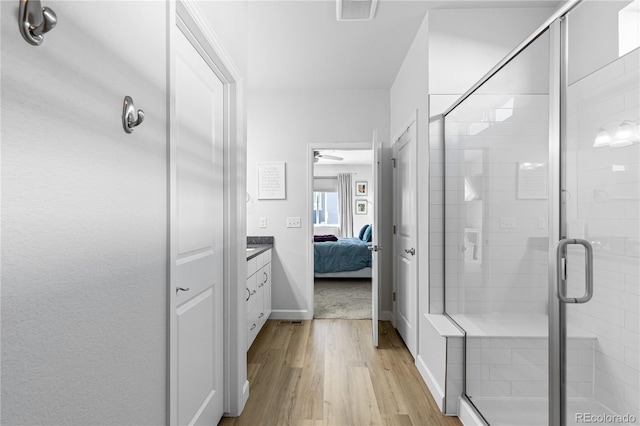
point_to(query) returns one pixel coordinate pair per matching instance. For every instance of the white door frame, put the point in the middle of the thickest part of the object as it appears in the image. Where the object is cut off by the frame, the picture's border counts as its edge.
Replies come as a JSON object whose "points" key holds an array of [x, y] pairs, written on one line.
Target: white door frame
{"points": [[185, 16], [310, 148]]}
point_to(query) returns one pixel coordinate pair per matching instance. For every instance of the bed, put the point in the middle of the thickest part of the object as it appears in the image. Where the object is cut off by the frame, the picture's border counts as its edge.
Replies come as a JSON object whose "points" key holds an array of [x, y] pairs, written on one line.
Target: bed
{"points": [[344, 258]]}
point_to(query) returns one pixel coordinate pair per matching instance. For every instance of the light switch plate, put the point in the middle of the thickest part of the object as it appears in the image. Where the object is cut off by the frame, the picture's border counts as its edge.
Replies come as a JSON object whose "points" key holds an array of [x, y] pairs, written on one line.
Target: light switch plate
{"points": [[507, 222], [263, 222], [293, 222]]}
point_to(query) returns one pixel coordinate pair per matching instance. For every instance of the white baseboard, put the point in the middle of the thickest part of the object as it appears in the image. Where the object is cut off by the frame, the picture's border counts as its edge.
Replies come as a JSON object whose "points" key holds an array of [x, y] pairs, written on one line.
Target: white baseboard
{"points": [[304, 315], [432, 384], [290, 315], [245, 394], [386, 316]]}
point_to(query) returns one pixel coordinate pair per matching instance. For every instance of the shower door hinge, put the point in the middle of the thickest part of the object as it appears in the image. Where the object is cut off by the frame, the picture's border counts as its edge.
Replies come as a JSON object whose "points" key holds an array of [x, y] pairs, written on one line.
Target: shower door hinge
{"points": [[394, 230], [393, 161], [394, 296]]}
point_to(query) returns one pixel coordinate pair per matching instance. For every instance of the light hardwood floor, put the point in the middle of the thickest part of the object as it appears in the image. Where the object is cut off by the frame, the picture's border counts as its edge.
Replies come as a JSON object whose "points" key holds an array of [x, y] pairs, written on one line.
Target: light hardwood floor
{"points": [[327, 372]]}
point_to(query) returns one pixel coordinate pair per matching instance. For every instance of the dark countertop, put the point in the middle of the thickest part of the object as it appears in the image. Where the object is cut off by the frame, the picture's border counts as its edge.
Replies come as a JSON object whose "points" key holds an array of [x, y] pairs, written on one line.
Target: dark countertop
{"points": [[258, 249], [260, 244]]}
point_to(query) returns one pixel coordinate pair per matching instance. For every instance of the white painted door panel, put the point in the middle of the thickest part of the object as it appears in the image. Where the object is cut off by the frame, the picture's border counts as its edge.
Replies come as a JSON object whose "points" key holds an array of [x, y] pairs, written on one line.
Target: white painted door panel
{"points": [[405, 189], [199, 264]]}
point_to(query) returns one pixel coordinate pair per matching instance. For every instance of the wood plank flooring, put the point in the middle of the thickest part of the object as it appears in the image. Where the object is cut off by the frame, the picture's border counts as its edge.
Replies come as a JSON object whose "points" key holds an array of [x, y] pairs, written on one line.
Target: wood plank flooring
{"points": [[327, 372]]}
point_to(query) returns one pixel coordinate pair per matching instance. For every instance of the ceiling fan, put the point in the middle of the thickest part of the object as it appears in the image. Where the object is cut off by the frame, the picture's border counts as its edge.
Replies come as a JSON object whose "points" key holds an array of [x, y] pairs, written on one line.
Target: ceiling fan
{"points": [[317, 155]]}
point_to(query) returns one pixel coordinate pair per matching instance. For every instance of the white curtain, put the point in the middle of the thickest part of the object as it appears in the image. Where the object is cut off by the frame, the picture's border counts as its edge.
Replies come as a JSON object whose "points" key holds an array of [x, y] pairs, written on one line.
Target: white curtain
{"points": [[345, 204]]}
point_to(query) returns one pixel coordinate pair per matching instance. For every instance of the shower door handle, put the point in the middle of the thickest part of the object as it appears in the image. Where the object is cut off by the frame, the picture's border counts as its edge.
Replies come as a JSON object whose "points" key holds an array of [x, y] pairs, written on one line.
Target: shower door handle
{"points": [[561, 275]]}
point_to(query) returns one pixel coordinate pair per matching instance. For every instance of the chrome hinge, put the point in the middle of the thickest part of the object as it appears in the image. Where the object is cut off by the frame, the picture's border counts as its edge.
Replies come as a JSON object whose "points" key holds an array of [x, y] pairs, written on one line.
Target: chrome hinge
{"points": [[394, 230], [393, 161], [394, 296]]}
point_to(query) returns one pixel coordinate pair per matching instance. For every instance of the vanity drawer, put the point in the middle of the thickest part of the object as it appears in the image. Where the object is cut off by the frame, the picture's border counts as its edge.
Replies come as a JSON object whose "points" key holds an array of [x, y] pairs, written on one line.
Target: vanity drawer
{"points": [[252, 266], [255, 321], [251, 291]]}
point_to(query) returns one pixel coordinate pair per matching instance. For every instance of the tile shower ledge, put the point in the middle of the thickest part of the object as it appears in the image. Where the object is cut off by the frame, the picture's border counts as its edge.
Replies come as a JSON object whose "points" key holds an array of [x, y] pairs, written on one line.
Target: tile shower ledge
{"points": [[512, 325]]}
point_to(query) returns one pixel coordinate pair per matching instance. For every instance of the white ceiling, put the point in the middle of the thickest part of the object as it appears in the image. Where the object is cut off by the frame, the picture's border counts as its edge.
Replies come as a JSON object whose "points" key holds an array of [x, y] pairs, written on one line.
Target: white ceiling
{"points": [[299, 44], [352, 156]]}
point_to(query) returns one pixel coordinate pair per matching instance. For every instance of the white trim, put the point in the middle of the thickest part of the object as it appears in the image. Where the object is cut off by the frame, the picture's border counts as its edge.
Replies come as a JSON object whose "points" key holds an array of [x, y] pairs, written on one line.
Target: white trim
{"points": [[187, 16], [172, 253], [432, 383], [245, 392], [386, 316], [285, 314]]}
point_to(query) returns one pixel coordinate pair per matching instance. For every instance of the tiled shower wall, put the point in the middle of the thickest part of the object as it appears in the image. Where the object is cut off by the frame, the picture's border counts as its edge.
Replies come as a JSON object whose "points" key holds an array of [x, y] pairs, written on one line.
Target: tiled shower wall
{"points": [[603, 207], [487, 138]]}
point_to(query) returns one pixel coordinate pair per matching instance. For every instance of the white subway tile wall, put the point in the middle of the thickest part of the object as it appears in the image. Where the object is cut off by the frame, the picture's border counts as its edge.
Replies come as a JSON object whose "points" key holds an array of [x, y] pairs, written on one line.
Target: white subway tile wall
{"points": [[482, 157], [604, 208]]}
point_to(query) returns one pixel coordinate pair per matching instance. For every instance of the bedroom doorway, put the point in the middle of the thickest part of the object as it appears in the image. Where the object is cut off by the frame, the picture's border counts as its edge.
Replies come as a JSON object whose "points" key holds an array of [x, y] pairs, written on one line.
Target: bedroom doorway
{"points": [[341, 209]]}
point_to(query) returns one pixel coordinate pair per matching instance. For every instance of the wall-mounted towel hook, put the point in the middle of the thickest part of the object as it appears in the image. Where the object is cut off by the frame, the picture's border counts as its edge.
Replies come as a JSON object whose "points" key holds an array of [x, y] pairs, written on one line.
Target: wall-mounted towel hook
{"points": [[35, 20], [130, 117]]}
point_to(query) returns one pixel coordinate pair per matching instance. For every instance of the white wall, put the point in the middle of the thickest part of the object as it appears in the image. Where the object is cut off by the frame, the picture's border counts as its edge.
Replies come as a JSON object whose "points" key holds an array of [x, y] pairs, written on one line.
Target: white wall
{"points": [[465, 44], [361, 173], [83, 319], [228, 19], [281, 125]]}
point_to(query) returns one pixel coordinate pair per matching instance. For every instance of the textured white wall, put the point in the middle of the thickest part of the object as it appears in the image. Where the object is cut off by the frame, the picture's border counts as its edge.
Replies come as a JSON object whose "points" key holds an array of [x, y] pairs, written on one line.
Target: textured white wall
{"points": [[84, 218], [280, 126]]}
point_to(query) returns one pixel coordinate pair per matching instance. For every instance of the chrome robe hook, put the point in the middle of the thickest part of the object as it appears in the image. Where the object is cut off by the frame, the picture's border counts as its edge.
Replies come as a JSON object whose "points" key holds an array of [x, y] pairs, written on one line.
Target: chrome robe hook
{"points": [[35, 20], [130, 117]]}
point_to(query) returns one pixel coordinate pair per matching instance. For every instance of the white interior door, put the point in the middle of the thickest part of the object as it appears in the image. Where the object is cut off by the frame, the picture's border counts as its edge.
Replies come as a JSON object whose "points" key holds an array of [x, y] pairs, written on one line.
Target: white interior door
{"points": [[199, 236], [404, 189], [376, 240]]}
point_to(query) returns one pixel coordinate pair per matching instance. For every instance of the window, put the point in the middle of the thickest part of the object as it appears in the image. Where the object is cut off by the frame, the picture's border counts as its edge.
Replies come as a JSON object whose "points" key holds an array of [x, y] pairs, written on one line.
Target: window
{"points": [[325, 208]]}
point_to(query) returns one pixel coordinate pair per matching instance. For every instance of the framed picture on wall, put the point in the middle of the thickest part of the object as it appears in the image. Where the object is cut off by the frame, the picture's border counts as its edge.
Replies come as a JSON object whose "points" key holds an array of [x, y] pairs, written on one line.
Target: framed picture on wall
{"points": [[361, 206], [271, 181], [362, 188]]}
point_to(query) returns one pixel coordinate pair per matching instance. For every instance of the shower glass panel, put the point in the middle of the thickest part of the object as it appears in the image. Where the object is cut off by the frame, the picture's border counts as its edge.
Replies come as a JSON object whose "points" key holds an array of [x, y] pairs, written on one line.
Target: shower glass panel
{"points": [[496, 245], [601, 186]]}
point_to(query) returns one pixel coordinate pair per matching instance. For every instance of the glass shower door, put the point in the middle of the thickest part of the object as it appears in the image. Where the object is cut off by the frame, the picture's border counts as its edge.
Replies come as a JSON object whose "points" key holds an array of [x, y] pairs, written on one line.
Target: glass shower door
{"points": [[496, 237], [600, 183]]}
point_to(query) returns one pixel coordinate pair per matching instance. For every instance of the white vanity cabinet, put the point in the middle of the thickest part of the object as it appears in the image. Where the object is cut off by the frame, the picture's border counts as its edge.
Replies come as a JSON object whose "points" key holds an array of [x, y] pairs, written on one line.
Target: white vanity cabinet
{"points": [[258, 294]]}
